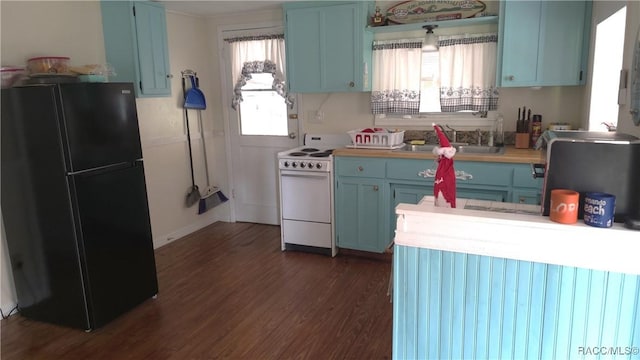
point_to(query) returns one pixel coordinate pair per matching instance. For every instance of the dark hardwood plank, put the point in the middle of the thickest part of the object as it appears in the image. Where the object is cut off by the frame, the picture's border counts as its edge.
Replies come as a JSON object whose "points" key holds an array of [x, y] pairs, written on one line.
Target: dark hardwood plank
{"points": [[227, 291]]}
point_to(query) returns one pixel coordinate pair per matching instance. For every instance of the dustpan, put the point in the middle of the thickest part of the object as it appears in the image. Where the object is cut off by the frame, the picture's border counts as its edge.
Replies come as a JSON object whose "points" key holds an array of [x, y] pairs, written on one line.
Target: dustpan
{"points": [[194, 98]]}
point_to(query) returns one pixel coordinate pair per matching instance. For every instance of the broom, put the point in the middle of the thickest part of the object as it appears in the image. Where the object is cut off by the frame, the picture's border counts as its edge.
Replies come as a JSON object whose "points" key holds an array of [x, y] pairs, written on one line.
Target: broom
{"points": [[213, 196]]}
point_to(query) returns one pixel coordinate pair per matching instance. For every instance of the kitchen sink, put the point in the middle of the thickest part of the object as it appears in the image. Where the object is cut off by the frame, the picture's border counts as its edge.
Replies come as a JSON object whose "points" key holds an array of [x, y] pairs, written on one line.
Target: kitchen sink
{"points": [[418, 148], [462, 148], [476, 149]]}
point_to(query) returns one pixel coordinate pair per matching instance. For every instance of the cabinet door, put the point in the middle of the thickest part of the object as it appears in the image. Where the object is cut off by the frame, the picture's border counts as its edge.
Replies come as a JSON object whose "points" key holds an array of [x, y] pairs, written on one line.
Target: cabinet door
{"points": [[562, 33], [135, 41], [153, 54], [406, 194], [360, 214], [544, 43], [526, 188], [520, 37], [527, 197], [324, 48]]}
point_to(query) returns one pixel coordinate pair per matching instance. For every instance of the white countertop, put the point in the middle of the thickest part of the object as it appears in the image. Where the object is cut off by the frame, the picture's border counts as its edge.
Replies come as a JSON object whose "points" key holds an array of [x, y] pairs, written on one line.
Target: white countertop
{"points": [[519, 236]]}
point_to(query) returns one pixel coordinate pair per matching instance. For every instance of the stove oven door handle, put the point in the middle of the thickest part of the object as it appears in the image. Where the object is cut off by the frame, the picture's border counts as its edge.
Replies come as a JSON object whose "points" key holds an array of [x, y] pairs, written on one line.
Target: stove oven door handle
{"points": [[303, 173]]}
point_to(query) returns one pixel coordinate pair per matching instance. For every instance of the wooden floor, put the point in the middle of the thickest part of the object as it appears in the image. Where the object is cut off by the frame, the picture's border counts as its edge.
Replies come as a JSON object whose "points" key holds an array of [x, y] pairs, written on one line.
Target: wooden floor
{"points": [[227, 291]]}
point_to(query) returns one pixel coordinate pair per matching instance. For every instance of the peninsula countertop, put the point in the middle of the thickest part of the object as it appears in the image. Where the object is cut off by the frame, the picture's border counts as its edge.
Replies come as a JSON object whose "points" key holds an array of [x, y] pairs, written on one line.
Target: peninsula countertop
{"points": [[511, 155], [518, 235]]}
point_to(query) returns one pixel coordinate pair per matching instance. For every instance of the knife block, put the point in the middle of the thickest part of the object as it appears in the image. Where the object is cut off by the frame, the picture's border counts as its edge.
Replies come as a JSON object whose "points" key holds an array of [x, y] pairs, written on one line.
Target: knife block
{"points": [[522, 140]]}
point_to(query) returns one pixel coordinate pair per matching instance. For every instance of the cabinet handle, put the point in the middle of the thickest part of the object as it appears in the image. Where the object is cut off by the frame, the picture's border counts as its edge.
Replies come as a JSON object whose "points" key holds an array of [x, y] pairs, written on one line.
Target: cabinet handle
{"points": [[521, 200], [460, 174], [375, 187], [169, 76], [360, 168], [511, 77], [352, 84]]}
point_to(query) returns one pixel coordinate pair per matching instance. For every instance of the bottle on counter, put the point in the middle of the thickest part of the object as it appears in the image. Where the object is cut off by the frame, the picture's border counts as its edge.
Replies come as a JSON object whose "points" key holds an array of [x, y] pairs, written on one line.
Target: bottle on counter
{"points": [[498, 137], [536, 129]]}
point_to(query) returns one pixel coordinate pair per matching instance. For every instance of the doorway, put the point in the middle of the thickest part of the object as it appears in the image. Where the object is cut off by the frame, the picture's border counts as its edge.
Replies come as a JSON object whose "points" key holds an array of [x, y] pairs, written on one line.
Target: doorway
{"points": [[607, 62], [260, 125]]}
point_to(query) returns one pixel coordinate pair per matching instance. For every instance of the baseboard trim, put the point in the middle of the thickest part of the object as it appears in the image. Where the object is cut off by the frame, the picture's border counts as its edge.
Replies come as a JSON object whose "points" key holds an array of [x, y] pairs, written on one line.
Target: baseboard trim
{"points": [[159, 241]]}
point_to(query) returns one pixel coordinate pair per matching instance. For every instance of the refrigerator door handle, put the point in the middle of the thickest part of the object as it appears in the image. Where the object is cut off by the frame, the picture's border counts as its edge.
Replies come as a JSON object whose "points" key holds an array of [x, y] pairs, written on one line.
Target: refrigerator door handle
{"points": [[100, 168]]}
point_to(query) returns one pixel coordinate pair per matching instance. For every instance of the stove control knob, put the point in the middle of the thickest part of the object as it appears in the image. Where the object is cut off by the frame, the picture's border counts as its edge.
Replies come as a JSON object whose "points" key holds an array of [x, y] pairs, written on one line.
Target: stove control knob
{"points": [[294, 164], [286, 164], [319, 165], [302, 165]]}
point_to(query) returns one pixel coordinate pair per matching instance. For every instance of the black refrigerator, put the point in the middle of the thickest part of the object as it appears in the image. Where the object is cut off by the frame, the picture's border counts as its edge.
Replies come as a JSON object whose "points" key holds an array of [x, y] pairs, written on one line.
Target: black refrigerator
{"points": [[74, 202]]}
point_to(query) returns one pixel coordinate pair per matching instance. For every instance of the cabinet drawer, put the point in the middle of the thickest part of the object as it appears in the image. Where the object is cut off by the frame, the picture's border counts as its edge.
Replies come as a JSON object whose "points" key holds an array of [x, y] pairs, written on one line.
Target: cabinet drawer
{"points": [[486, 173], [360, 167], [522, 177], [481, 173], [409, 169]]}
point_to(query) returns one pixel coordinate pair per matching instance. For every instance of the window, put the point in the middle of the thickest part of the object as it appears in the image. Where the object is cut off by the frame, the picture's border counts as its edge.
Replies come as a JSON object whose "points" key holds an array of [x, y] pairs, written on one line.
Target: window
{"points": [[430, 82], [262, 111], [459, 76], [257, 67], [607, 62]]}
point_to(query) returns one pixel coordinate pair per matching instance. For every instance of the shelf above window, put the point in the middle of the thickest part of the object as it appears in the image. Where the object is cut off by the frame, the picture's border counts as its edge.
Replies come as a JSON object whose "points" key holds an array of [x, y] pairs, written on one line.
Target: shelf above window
{"points": [[441, 24]]}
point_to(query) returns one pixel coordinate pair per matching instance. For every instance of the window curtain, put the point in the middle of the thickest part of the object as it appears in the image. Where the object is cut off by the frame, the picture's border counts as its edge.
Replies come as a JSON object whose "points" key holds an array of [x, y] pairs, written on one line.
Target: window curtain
{"points": [[396, 76], [468, 72], [258, 54]]}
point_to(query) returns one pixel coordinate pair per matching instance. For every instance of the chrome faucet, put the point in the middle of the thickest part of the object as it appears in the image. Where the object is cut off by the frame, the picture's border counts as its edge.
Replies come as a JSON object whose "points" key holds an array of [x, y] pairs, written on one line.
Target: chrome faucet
{"points": [[455, 133], [479, 131]]}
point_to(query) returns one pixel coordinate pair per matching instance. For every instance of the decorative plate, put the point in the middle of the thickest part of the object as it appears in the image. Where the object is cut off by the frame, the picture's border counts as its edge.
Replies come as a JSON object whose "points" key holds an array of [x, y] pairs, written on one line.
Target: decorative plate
{"points": [[407, 12]]}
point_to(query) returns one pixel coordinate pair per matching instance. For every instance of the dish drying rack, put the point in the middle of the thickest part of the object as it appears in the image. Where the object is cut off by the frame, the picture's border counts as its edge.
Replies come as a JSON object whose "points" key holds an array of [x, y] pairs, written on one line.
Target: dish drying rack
{"points": [[380, 139]]}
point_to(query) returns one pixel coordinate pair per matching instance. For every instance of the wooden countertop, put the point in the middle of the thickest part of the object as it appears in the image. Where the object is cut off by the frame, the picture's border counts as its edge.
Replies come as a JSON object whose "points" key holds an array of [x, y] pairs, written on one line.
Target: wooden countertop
{"points": [[516, 236], [511, 155]]}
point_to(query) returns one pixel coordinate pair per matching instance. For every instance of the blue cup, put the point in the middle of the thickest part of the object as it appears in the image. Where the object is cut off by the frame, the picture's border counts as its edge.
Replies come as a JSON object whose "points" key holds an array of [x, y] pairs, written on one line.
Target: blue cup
{"points": [[599, 209]]}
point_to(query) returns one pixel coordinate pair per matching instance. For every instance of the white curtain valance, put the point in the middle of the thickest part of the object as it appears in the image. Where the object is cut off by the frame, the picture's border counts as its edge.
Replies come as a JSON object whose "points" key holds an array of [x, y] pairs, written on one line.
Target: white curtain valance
{"points": [[396, 76], [468, 72], [258, 54]]}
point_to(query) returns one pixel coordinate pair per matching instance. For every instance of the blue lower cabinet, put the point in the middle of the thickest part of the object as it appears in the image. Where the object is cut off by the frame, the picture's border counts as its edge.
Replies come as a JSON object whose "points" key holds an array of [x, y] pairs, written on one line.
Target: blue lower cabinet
{"points": [[367, 190], [359, 206], [459, 306]]}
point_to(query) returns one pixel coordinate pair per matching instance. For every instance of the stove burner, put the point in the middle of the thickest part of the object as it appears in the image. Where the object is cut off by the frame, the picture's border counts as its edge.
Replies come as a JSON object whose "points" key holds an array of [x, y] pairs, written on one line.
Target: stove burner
{"points": [[298, 153], [326, 153], [309, 150]]}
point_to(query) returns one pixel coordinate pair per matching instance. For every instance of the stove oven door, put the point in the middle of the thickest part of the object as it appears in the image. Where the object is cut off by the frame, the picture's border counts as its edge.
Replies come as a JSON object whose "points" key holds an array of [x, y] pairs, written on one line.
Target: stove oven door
{"points": [[306, 196]]}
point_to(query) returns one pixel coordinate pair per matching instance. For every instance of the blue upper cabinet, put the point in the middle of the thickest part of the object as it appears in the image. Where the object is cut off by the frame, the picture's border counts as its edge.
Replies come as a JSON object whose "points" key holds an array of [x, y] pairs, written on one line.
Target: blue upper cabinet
{"points": [[543, 43], [135, 40], [328, 49]]}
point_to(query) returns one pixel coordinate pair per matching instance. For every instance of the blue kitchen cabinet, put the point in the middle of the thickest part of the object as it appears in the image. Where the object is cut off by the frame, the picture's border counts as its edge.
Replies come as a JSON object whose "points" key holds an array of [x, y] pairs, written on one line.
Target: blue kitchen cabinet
{"points": [[543, 43], [328, 49], [476, 180], [360, 204], [367, 190], [526, 188], [135, 40]]}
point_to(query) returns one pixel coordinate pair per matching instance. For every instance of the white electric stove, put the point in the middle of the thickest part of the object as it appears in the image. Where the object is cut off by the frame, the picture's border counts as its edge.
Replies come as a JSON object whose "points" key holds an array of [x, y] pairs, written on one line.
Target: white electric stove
{"points": [[305, 176]]}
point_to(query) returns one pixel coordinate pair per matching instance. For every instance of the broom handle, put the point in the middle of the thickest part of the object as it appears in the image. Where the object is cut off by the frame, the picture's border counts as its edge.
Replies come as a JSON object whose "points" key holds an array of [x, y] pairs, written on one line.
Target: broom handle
{"points": [[186, 116], [204, 149]]}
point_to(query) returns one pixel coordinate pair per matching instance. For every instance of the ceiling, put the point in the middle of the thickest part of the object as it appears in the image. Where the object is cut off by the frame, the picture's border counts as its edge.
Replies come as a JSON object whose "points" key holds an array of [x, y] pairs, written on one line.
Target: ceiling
{"points": [[217, 7]]}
